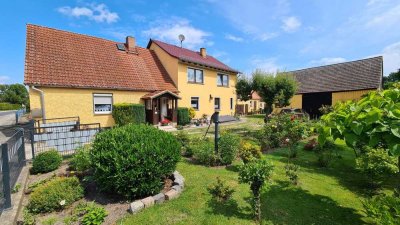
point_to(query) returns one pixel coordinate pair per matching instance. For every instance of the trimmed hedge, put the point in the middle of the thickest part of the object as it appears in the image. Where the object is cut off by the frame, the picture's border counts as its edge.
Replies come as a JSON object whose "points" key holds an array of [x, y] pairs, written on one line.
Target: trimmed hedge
{"points": [[9, 106], [133, 160], [125, 113], [46, 162], [55, 194], [183, 116]]}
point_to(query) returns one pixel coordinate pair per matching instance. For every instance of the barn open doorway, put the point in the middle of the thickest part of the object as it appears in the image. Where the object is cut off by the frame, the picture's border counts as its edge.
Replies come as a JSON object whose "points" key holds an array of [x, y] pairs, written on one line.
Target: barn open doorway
{"points": [[313, 101]]}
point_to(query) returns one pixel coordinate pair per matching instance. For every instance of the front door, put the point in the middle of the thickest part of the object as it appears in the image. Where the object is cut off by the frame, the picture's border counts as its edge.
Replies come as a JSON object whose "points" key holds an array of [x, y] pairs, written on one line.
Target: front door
{"points": [[164, 108]]}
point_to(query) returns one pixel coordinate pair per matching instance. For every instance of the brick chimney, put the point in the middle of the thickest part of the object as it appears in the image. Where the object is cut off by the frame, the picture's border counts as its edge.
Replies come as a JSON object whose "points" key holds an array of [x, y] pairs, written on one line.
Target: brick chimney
{"points": [[203, 52], [130, 43]]}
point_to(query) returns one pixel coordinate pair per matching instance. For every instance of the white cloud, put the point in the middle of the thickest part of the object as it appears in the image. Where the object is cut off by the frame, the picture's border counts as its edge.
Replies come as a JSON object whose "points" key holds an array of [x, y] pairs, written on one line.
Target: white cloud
{"points": [[4, 79], [391, 58], [266, 64], [327, 61], [99, 13], [291, 24], [169, 30], [387, 18], [234, 38], [266, 36]]}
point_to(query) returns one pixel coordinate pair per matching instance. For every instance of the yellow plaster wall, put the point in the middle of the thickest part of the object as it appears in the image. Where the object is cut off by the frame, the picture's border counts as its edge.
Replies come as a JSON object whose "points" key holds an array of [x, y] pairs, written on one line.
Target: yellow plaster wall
{"points": [[67, 102], [348, 95], [296, 101], [203, 91], [170, 63]]}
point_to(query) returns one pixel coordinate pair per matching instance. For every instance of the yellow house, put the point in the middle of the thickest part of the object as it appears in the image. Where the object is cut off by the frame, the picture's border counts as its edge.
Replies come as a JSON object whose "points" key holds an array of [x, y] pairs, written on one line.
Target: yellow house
{"points": [[70, 75], [204, 83], [327, 85], [252, 106]]}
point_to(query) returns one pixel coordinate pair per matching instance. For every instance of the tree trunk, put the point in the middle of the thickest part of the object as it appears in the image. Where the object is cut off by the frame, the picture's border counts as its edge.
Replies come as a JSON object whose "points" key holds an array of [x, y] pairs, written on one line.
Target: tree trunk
{"points": [[257, 205]]}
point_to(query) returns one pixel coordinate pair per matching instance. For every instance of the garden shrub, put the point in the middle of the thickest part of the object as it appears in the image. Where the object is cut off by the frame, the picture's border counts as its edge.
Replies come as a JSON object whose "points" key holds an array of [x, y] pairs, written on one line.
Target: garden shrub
{"points": [[311, 144], [125, 113], [325, 153], [204, 153], [46, 162], [192, 113], [9, 106], [256, 173], [220, 191], [81, 159], [184, 139], [292, 173], [55, 195], [249, 152], [376, 162], [91, 213], [228, 145], [383, 209], [183, 116], [133, 160]]}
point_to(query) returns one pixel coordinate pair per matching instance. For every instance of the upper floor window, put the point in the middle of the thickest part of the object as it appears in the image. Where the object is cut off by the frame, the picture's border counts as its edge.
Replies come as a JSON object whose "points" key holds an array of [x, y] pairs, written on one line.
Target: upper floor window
{"points": [[102, 103], [222, 80], [195, 76]]}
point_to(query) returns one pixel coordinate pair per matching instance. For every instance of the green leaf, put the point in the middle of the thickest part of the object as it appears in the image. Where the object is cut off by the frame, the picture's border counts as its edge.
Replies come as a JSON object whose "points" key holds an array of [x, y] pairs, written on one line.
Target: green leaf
{"points": [[357, 127], [373, 116], [396, 131], [395, 149], [374, 140], [350, 138]]}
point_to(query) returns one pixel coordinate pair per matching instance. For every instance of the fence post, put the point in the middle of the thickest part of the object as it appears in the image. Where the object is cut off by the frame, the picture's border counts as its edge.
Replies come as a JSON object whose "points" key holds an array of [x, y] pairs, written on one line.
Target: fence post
{"points": [[16, 117], [23, 159], [6, 176], [32, 142]]}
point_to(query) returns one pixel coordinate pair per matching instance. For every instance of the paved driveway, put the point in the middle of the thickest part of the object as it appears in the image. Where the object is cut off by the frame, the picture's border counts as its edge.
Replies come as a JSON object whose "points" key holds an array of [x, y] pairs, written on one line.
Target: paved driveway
{"points": [[7, 118]]}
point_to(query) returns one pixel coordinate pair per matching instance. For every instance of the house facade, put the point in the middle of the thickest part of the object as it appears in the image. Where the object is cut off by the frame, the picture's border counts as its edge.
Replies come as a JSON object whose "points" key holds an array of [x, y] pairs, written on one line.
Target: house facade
{"points": [[327, 85], [70, 74], [253, 106]]}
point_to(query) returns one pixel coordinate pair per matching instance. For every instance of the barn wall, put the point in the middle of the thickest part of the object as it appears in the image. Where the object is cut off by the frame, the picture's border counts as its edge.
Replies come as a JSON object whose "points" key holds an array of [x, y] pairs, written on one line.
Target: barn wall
{"points": [[348, 95]]}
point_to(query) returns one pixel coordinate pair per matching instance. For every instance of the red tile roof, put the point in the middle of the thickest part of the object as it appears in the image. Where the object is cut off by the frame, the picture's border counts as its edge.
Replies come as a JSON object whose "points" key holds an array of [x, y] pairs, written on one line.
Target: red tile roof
{"points": [[191, 56], [63, 59], [255, 96]]}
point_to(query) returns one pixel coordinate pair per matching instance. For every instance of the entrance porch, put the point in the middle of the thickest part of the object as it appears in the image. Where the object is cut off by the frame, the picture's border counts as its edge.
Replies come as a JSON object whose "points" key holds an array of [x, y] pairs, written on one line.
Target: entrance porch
{"points": [[161, 106]]}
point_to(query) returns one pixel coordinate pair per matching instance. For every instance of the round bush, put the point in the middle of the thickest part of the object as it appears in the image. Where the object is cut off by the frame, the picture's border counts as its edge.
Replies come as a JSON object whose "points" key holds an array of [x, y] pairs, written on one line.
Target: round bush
{"points": [[46, 162], [55, 195], [133, 160], [204, 153], [228, 145]]}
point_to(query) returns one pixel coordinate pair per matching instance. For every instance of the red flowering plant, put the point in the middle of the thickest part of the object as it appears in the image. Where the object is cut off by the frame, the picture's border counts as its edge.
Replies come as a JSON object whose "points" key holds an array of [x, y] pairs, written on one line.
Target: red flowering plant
{"points": [[165, 122]]}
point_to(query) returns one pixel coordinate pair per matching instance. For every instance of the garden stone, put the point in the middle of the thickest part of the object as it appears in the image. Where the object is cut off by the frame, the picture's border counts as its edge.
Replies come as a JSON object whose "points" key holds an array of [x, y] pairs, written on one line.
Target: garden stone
{"points": [[179, 182], [171, 194], [136, 206], [148, 202], [159, 198], [177, 188]]}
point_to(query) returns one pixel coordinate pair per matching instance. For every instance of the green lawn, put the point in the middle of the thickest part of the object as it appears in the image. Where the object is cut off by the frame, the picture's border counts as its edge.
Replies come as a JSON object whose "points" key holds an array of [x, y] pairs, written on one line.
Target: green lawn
{"points": [[324, 196]]}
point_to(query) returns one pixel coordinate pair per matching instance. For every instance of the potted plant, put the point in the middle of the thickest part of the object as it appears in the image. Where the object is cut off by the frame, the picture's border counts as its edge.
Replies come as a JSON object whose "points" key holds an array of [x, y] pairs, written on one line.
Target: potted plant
{"points": [[165, 122]]}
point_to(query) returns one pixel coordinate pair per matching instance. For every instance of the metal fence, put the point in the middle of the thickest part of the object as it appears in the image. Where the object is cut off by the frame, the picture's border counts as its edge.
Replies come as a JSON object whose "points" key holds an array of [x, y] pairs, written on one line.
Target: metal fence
{"points": [[12, 160], [65, 138], [53, 122]]}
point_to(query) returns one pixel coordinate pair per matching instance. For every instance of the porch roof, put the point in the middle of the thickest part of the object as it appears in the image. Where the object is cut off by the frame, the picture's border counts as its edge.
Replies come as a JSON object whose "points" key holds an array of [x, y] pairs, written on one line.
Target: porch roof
{"points": [[156, 94]]}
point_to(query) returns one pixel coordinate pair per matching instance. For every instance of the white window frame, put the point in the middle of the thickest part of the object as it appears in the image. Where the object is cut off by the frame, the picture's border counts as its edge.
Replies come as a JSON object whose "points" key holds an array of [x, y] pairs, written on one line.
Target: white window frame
{"points": [[94, 103], [198, 103]]}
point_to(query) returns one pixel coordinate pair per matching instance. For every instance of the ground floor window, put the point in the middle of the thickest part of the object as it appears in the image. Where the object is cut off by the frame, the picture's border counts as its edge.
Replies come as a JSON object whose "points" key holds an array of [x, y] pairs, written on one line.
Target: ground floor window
{"points": [[217, 103], [102, 103], [231, 103], [194, 103]]}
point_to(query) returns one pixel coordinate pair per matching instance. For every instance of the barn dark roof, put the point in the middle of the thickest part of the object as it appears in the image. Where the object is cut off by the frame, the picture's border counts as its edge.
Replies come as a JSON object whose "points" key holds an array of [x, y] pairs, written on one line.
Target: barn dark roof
{"points": [[348, 76]]}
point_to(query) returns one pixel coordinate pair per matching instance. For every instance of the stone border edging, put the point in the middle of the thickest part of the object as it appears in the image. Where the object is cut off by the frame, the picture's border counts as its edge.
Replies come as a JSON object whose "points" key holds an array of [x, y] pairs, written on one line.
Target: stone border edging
{"points": [[159, 198]]}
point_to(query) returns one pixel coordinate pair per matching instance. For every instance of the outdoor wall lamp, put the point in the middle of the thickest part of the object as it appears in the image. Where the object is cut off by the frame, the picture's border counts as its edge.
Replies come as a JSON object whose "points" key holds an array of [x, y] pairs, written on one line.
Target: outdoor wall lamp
{"points": [[211, 97]]}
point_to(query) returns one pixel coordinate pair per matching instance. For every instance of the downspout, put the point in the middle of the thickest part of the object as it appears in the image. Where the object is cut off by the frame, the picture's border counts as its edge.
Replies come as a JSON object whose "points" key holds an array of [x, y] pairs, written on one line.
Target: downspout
{"points": [[41, 102]]}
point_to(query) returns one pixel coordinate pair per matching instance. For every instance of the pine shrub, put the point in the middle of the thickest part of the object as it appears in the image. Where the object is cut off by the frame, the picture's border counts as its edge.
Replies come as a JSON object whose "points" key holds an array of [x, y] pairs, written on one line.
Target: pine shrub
{"points": [[183, 116]]}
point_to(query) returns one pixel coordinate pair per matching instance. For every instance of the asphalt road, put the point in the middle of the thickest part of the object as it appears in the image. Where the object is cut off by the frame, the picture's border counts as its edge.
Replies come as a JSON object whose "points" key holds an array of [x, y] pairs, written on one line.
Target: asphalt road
{"points": [[7, 117]]}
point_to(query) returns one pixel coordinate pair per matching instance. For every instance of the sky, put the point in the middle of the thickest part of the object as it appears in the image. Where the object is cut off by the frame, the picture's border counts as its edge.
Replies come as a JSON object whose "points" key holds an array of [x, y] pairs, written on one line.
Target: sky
{"points": [[245, 34]]}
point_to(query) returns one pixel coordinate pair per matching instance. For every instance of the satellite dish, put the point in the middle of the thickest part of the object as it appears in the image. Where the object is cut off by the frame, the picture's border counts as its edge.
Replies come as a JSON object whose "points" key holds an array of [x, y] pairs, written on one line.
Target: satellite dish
{"points": [[181, 38]]}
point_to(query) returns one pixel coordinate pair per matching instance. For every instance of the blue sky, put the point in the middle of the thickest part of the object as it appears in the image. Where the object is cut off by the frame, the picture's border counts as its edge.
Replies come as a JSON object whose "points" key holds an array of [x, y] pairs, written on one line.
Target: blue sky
{"points": [[269, 34]]}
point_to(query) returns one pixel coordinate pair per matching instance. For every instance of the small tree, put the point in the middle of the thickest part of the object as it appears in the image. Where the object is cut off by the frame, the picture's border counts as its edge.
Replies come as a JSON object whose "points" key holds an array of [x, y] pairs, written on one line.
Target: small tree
{"points": [[391, 79], [256, 173], [14, 94], [244, 88]]}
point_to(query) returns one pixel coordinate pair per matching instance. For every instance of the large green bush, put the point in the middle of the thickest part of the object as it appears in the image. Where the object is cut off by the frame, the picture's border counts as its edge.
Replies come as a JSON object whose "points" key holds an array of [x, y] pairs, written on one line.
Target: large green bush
{"points": [[383, 209], [9, 106], [183, 116], [228, 145], [46, 162], [55, 194], [125, 113], [133, 160], [376, 163]]}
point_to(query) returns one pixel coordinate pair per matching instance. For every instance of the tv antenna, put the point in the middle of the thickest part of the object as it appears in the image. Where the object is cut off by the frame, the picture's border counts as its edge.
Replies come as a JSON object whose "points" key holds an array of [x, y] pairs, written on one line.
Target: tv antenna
{"points": [[181, 38]]}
